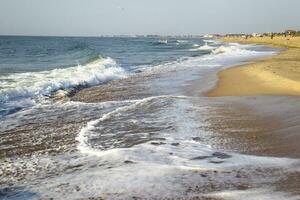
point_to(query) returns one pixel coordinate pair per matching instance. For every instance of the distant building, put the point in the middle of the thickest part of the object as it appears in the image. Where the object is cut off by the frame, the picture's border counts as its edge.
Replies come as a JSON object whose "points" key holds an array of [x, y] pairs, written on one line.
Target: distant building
{"points": [[256, 35], [208, 36], [290, 32]]}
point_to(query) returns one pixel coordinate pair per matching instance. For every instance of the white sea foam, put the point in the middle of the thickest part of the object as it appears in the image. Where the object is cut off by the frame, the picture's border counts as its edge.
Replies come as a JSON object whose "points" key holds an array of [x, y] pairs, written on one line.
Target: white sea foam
{"points": [[219, 56], [27, 87], [32, 84], [206, 47], [252, 194], [164, 171], [82, 137], [182, 41], [185, 129], [236, 50], [212, 41]]}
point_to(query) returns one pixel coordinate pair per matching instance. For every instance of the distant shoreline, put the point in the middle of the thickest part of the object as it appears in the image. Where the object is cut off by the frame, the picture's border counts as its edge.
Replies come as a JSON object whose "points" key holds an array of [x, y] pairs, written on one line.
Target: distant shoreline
{"points": [[276, 75]]}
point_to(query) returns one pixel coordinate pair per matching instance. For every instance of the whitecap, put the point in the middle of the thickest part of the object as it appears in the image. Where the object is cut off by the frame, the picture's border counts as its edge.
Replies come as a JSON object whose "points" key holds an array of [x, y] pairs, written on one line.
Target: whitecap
{"points": [[33, 85]]}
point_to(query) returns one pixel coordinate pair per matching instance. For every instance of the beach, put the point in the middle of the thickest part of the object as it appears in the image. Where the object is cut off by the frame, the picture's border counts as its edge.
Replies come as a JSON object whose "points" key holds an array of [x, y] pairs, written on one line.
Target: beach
{"points": [[274, 83], [149, 100], [276, 75], [151, 132], [270, 87]]}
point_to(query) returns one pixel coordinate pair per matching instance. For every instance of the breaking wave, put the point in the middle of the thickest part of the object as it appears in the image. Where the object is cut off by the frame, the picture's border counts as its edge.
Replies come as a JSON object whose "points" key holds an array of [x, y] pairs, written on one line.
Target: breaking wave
{"points": [[20, 87], [232, 50], [205, 47], [44, 83]]}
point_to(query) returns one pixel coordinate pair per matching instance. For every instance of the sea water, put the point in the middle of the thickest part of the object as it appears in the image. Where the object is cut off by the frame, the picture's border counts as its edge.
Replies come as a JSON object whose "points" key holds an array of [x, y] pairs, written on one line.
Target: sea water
{"points": [[151, 142]]}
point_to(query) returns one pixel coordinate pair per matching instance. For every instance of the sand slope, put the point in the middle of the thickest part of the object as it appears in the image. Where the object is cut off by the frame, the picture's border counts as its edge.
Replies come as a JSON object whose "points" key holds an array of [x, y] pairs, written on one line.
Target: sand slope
{"points": [[277, 75]]}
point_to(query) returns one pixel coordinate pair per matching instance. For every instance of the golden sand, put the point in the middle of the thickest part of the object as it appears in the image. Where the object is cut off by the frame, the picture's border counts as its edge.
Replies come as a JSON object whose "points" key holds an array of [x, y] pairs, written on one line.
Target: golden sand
{"points": [[277, 41], [276, 75]]}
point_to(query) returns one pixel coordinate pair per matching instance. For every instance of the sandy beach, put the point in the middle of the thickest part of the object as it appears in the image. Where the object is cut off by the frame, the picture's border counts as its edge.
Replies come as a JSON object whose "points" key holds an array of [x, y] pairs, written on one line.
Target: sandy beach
{"points": [[277, 75], [150, 100], [169, 139], [269, 89], [272, 85]]}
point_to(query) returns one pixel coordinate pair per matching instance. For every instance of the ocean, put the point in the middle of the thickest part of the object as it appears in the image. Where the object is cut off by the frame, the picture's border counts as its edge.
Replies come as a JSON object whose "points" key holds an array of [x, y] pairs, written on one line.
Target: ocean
{"points": [[34, 68], [122, 118]]}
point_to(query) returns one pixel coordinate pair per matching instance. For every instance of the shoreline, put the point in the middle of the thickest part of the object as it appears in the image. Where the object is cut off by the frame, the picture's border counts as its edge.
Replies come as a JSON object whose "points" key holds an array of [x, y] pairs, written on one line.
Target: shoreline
{"points": [[231, 126], [270, 88], [271, 94], [265, 76]]}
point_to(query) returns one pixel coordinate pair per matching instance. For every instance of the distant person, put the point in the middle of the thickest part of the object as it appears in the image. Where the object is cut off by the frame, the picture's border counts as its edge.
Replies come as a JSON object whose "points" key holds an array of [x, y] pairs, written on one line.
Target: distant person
{"points": [[272, 36]]}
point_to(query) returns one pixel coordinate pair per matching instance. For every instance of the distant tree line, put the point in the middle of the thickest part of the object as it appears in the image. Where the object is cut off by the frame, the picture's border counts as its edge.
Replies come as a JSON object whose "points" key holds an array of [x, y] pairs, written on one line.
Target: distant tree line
{"points": [[285, 33]]}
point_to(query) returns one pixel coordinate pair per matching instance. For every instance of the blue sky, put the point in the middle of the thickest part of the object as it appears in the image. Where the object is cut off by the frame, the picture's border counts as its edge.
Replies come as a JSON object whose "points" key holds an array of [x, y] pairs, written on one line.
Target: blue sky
{"points": [[164, 17]]}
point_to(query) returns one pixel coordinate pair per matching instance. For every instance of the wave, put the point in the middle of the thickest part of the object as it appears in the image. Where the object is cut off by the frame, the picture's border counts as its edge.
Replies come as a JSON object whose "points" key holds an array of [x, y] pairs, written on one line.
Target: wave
{"points": [[36, 84], [160, 42], [158, 158], [83, 136], [206, 47], [232, 50], [181, 41], [212, 41], [85, 132], [216, 57]]}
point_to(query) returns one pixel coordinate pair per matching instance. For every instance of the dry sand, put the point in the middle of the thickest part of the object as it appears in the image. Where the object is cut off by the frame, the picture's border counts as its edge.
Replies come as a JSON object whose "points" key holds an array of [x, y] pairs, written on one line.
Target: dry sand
{"points": [[277, 41], [272, 85], [243, 124], [277, 75]]}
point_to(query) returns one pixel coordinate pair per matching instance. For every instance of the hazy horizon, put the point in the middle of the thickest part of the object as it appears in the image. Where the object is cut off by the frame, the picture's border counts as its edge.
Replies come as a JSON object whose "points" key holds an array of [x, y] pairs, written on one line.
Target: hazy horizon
{"points": [[141, 17]]}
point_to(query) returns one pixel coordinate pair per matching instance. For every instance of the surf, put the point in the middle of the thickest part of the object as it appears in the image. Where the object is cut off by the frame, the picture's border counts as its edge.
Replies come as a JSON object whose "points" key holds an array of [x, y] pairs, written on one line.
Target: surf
{"points": [[22, 87]]}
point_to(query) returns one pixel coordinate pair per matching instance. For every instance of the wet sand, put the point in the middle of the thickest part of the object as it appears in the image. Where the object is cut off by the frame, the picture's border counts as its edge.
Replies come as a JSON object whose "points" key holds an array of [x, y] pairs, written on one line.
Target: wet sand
{"points": [[269, 90], [255, 125], [263, 126], [278, 79], [277, 75]]}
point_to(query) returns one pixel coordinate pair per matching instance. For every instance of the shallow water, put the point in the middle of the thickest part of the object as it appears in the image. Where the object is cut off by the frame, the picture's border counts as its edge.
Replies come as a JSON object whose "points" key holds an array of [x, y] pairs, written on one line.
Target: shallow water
{"points": [[146, 135]]}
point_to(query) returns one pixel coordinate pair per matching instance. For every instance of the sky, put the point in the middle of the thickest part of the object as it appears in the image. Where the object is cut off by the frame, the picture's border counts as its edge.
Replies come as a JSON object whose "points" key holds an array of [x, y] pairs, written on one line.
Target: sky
{"points": [[163, 17]]}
